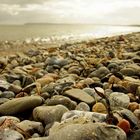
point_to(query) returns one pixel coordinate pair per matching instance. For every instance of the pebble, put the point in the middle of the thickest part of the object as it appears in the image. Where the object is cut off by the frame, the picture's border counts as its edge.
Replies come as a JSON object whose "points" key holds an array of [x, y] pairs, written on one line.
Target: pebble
{"points": [[79, 95], [59, 99], [19, 105], [82, 106], [31, 127], [100, 108], [86, 131], [8, 134], [7, 94], [100, 72], [118, 99], [49, 114]]}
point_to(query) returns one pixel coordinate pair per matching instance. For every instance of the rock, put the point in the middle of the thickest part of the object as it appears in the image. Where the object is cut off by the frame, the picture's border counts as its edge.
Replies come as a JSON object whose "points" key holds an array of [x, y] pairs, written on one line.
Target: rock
{"points": [[82, 106], [100, 72], [3, 100], [91, 116], [135, 135], [8, 134], [4, 85], [58, 62], [128, 71], [15, 88], [19, 105], [7, 94], [80, 95], [49, 114], [59, 99], [118, 99], [45, 95], [31, 127], [92, 93], [133, 106], [128, 115], [113, 67], [100, 108], [87, 131], [12, 119], [137, 113]]}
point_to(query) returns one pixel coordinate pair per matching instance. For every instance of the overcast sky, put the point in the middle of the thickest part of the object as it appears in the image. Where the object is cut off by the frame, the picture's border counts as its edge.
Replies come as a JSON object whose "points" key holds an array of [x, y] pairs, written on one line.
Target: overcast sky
{"points": [[70, 11]]}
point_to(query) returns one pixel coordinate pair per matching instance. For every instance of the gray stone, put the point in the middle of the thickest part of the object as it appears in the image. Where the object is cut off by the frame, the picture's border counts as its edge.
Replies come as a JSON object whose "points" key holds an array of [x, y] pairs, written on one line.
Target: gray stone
{"points": [[31, 127], [59, 99], [135, 135], [80, 95], [49, 114], [15, 88], [92, 116], [86, 131], [100, 72], [4, 85], [8, 134], [82, 106], [7, 94], [118, 99], [128, 71], [19, 105]]}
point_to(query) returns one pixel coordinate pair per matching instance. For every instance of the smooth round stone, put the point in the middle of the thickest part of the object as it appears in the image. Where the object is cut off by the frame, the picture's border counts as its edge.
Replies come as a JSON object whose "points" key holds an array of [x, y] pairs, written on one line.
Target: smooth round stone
{"points": [[59, 99], [7, 94], [137, 113], [15, 88], [86, 131], [31, 127], [133, 106], [8, 134], [100, 108], [19, 105], [128, 71], [100, 72], [82, 106], [118, 99], [113, 67], [49, 114]]}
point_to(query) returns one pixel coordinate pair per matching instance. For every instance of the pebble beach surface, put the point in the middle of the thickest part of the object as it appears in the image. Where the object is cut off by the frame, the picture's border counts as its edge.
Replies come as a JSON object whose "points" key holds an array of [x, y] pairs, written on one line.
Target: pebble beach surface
{"points": [[86, 90]]}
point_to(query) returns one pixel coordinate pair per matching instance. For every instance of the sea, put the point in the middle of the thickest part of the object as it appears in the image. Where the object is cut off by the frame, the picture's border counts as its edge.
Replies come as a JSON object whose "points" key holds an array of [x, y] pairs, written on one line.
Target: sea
{"points": [[61, 32]]}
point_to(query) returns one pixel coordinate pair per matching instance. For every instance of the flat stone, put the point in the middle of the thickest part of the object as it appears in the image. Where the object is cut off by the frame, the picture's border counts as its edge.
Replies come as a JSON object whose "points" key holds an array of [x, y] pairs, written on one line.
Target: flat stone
{"points": [[80, 95], [86, 131], [19, 105]]}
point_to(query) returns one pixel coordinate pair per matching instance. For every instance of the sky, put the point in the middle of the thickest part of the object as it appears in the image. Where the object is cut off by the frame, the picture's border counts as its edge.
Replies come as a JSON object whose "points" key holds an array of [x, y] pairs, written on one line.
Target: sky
{"points": [[123, 12]]}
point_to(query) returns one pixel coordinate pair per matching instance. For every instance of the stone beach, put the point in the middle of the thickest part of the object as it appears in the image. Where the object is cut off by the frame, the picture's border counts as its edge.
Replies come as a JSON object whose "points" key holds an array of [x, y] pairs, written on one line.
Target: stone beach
{"points": [[85, 90]]}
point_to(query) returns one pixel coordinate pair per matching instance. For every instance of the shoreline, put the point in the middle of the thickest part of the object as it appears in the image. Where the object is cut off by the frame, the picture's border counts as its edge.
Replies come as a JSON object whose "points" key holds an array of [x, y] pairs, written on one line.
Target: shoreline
{"points": [[78, 90]]}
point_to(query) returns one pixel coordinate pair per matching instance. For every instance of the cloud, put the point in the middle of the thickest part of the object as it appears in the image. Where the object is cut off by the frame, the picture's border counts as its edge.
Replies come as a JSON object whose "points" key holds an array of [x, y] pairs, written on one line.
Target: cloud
{"points": [[90, 11]]}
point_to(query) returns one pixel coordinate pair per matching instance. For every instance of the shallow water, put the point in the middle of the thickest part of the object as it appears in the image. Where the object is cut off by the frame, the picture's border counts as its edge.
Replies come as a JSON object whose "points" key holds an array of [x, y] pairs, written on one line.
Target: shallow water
{"points": [[56, 32]]}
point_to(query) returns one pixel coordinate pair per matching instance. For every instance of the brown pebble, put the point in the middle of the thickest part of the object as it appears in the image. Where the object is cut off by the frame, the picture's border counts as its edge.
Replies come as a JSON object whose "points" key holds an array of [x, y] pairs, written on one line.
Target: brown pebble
{"points": [[100, 108], [133, 106]]}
